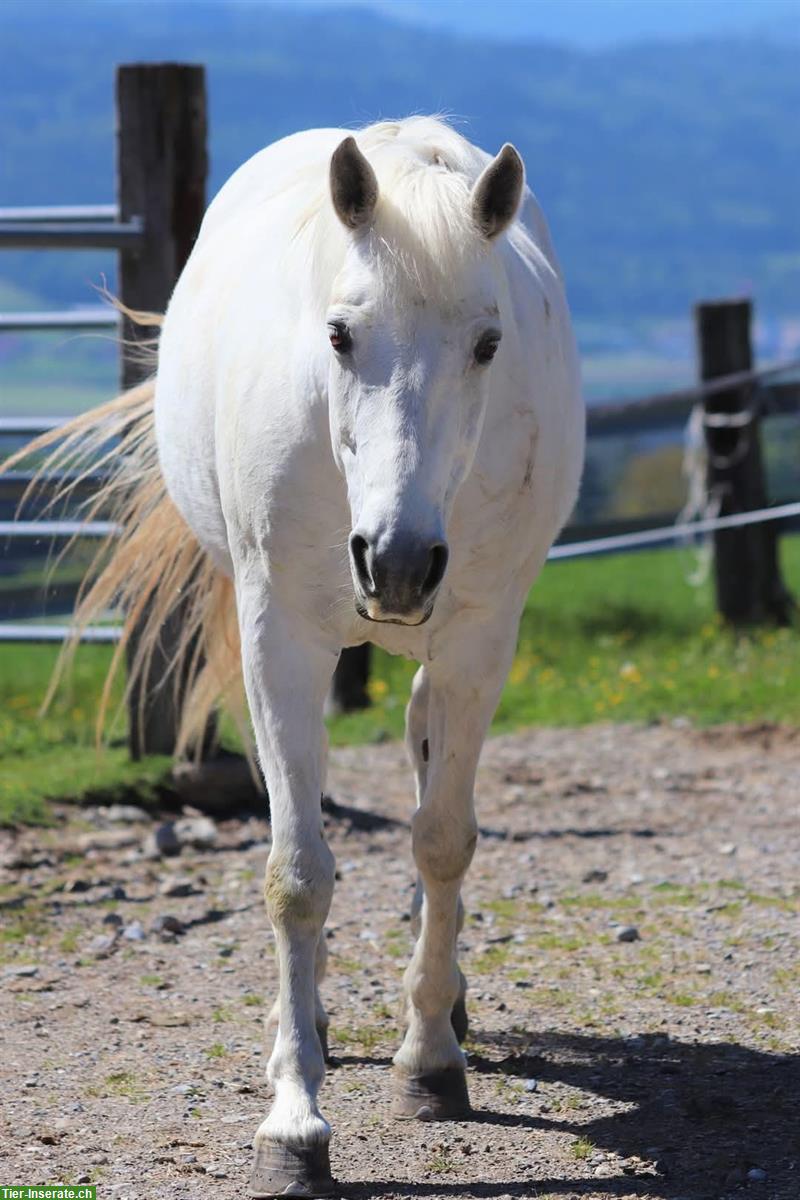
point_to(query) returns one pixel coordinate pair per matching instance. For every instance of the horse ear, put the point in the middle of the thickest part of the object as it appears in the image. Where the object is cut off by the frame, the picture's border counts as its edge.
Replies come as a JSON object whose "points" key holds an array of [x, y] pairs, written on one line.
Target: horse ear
{"points": [[354, 186], [497, 192]]}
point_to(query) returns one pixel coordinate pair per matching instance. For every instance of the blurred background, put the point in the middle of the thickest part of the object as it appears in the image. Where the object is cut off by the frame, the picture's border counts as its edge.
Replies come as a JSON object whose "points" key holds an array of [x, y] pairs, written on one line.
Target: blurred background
{"points": [[661, 139]]}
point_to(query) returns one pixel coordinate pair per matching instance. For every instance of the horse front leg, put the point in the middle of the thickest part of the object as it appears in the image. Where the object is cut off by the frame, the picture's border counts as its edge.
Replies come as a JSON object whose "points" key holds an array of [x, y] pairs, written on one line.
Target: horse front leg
{"points": [[418, 750], [460, 694], [287, 674]]}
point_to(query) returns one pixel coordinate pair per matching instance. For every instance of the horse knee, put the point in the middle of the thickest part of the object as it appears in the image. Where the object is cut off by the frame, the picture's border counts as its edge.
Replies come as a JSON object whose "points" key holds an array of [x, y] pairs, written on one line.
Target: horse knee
{"points": [[443, 844], [298, 887]]}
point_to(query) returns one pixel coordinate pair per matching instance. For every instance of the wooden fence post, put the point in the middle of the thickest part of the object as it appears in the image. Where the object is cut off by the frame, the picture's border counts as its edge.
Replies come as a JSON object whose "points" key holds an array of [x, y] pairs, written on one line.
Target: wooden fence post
{"points": [[162, 165], [747, 575], [350, 679]]}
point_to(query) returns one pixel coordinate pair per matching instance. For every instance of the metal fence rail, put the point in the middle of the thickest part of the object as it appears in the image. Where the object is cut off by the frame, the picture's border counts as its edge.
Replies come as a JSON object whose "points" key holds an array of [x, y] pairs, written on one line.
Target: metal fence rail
{"points": [[69, 227], [61, 212], [57, 634], [84, 319], [66, 235]]}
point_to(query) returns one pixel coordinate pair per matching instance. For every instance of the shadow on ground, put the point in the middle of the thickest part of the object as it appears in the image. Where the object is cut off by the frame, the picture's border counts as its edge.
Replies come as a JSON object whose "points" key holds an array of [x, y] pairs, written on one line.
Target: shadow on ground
{"points": [[708, 1112]]}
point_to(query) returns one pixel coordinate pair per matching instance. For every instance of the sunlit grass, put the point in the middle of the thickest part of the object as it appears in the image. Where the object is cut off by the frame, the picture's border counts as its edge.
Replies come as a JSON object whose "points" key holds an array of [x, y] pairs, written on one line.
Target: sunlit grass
{"points": [[623, 638]]}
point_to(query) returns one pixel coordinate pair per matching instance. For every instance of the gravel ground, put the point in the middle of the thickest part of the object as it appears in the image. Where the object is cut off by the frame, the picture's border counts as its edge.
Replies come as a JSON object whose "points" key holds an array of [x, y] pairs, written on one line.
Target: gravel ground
{"points": [[631, 948]]}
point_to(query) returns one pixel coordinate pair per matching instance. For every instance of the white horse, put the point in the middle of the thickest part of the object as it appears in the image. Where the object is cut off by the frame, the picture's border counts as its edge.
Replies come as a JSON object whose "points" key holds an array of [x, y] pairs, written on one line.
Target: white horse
{"points": [[368, 414]]}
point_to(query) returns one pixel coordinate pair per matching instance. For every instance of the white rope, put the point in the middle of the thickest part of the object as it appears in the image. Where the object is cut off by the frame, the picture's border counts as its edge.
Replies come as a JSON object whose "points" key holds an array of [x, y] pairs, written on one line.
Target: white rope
{"points": [[700, 505], [673, 533]]}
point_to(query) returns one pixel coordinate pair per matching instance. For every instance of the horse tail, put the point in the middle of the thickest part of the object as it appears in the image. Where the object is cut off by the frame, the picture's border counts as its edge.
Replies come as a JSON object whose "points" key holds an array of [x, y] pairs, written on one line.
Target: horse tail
{"points": [[150, 567]]}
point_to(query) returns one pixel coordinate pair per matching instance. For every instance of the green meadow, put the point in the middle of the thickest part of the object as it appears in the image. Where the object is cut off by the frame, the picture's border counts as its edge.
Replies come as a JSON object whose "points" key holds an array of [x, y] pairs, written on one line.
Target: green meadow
{"points": [[620, 638]]}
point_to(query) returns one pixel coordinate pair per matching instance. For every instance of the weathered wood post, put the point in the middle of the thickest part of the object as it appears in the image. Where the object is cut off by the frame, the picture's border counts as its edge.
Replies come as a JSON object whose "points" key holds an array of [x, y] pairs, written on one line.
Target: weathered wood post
{"points": [[350, 679], [747, 575], [162, 165]]}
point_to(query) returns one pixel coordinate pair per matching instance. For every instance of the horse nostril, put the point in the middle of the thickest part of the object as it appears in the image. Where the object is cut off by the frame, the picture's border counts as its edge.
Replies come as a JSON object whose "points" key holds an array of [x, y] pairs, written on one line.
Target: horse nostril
{"points": [[359, 551], [436, 568]]}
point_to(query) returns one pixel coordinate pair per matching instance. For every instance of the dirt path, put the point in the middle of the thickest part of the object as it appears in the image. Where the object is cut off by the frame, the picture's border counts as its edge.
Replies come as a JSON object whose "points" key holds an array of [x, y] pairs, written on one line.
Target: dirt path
{"points": [[664, 1066]]}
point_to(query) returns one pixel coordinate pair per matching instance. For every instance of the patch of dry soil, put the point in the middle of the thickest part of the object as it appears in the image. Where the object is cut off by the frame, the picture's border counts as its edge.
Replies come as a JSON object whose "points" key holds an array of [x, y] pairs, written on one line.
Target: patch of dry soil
{"points": [[665, 1066]]}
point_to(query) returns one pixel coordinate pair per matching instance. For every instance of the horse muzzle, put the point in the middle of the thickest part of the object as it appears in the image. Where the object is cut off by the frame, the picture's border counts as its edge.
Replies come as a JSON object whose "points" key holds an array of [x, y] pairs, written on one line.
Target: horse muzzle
{"points": [[396, 576]]}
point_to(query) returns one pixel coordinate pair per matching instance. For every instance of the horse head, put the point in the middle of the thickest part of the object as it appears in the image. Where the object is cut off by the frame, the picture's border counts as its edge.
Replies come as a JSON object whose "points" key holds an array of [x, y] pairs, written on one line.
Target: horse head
{"points": [[414, 325]]}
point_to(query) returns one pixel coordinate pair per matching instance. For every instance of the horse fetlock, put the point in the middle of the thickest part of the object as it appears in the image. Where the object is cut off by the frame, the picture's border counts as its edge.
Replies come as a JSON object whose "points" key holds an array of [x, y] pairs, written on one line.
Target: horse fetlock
{"points": [[430, 1044], [297, 1066], [294, 1119]]}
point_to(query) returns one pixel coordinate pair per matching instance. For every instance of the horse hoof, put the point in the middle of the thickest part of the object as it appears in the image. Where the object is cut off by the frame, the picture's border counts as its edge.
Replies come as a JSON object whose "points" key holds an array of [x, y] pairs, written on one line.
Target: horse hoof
{"points": [[280, 1171], [459, 1019], [432, 1096]]}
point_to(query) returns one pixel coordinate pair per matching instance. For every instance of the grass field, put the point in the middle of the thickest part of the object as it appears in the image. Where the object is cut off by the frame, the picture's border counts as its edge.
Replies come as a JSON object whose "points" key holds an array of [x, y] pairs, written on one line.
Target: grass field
{"points": [[617, 638]]}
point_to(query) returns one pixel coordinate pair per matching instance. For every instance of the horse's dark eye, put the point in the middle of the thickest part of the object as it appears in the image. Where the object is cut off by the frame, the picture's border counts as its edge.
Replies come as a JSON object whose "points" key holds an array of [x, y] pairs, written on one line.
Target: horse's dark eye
{"points": [[486, 348], [340, 339]]}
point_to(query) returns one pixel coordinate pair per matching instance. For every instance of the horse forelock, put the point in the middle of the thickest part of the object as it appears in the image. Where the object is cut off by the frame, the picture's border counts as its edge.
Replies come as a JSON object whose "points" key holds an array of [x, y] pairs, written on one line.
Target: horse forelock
{"points": [[423, 236]]}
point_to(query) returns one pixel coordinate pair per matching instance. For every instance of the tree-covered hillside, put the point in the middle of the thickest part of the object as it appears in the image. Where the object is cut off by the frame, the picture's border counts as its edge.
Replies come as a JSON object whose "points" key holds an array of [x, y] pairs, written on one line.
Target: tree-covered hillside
{"points": [[668, 170]]}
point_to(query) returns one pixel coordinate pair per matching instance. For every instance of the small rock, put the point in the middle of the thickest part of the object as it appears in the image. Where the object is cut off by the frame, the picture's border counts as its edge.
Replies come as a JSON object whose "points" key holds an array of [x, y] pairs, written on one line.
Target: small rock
{"points": [[163, 842], [182, 1089], [605, 1170], [125, 814], [77, 885], [117, 892], [84, 1178], [50, 1137], [199, 832], [756, 1175], [595, 876], [168, 924], [703, 968], [114, 919], [103, 945], [628, 933], [178, 888], [531, 1085], [134, 932], [24, 972], [728, 848]]}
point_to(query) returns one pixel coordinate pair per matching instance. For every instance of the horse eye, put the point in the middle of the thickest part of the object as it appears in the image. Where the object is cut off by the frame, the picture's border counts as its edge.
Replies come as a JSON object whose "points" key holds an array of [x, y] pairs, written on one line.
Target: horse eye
{"points": [[486, 348], [340, 339]]}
